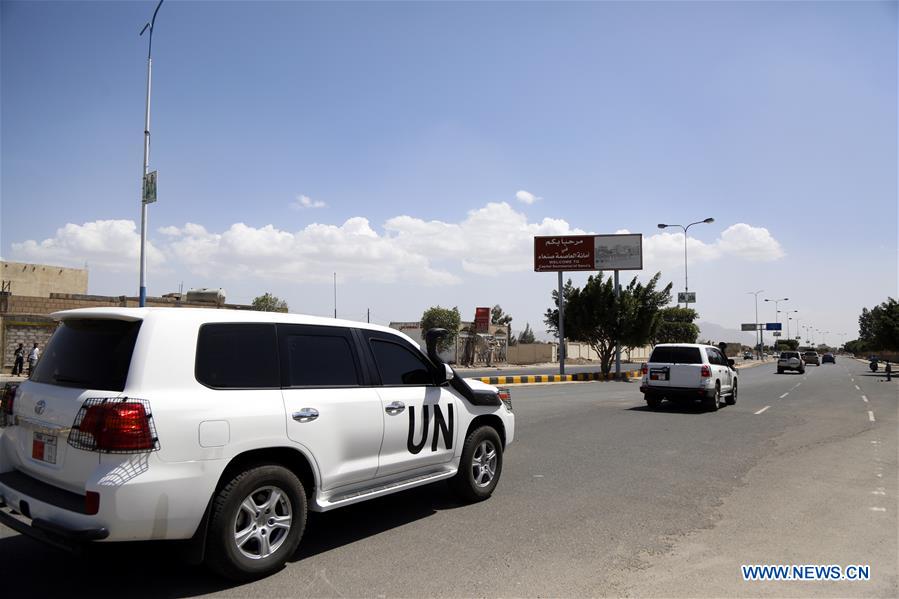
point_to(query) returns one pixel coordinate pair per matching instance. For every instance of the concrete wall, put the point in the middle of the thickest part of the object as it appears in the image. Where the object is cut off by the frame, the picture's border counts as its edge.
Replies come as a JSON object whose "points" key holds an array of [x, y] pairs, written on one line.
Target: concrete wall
{"points": [[41, 280], [532, 353]]}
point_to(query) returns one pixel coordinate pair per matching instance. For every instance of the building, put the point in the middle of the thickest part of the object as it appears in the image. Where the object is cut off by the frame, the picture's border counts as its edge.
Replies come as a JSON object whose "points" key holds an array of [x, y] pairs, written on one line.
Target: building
{"points": [[34, 291]]}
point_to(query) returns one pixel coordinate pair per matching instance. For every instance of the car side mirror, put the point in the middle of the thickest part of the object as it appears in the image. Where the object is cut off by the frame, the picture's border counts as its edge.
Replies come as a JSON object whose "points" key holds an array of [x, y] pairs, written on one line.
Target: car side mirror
{"points": [[730, 362]]}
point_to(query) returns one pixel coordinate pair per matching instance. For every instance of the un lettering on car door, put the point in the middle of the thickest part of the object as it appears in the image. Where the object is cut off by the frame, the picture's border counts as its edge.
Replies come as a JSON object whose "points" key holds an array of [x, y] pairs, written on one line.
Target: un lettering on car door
{"points": [[420, 417]]}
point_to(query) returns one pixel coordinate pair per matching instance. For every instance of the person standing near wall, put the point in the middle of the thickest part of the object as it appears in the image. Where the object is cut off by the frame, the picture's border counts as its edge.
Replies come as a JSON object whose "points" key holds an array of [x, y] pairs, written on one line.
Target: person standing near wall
{"points": [[19, 363], [33, 356]]}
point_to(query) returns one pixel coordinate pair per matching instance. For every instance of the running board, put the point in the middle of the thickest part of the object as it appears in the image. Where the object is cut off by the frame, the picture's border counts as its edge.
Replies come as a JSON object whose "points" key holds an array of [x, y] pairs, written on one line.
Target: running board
{"points": [[343, 499]]}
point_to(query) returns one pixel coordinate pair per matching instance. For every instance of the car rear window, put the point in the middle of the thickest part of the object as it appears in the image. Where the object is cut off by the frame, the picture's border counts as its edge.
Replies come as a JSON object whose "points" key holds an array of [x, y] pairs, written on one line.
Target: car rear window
{"points": [[89, 354], [676, 355], [789, 354]]}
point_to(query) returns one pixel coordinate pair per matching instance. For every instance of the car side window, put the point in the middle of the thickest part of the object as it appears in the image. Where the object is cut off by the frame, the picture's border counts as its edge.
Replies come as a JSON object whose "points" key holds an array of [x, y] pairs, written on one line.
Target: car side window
{"points": [[713, 356], [317, 356], [399, 365], [234, 355]]}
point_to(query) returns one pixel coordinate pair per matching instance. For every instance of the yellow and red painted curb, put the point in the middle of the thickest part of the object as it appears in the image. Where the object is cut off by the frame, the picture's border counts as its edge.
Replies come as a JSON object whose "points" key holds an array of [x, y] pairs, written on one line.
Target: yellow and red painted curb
{"points": [[555, 378]]}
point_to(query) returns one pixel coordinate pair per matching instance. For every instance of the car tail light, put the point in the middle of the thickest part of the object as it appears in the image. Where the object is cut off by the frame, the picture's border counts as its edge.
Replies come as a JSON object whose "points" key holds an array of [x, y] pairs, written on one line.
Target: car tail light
{"points": [[505, 396], [7, 401], [705, 372], [91, 503], [644, 368], [114, 425]]}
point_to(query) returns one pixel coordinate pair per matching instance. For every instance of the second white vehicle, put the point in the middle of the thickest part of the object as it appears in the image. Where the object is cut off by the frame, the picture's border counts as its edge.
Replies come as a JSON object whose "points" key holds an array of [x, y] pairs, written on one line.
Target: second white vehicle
{"points": [[689, 372]]}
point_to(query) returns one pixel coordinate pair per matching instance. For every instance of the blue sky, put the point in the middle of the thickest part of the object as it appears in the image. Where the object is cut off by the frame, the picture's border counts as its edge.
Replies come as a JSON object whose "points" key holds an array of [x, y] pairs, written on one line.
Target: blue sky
{"points": [[410, 127]]}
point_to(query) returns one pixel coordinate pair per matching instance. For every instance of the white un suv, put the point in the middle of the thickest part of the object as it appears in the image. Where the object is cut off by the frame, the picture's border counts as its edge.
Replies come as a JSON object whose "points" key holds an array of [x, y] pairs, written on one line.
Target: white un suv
{"points": [[222, 427]]}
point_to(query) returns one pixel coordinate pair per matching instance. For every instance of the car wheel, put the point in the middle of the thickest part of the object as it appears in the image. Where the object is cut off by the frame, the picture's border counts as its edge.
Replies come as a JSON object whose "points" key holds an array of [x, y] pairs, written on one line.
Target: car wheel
{"points": [[802, 371], [653, 401], [256, 523], [780, 371], [711, 403], [481, 465], [732, 398]]}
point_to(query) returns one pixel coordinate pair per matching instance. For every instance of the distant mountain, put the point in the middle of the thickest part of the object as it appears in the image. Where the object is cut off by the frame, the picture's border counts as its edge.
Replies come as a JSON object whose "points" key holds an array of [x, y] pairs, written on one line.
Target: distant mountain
{"points": [[716, 333]]}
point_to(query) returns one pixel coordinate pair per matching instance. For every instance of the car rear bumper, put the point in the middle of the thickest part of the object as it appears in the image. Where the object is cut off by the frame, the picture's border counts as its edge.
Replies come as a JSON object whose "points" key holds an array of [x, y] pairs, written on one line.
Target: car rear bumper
{"points": [[677, 392], [51, 533]]}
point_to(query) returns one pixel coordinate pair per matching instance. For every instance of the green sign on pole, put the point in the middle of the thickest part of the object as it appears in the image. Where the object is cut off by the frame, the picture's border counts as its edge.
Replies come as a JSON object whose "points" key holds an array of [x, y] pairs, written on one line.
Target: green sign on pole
{"points": [[150, 187]]}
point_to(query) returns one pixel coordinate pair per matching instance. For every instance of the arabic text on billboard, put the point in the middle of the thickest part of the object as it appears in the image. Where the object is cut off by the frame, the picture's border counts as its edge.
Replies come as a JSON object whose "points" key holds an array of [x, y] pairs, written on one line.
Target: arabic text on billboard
{"points": [[568, 252], [482, 319]]}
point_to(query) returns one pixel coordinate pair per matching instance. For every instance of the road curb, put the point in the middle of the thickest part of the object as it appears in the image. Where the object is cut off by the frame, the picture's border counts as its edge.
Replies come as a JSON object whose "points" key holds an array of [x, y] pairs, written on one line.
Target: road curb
{"points": [[554, 378]]}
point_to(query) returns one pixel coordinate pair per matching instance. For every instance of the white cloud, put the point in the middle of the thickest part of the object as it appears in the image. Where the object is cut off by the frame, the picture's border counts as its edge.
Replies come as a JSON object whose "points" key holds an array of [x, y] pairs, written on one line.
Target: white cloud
{"points": [[526, 197], [490, 240], [110, 244], [303, 201], [751, 243]]}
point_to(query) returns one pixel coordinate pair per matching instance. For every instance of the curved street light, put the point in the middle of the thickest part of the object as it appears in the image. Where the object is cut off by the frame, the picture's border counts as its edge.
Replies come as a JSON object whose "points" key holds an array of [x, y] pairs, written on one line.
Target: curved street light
{"points": [[665, 226], [758, 332]]}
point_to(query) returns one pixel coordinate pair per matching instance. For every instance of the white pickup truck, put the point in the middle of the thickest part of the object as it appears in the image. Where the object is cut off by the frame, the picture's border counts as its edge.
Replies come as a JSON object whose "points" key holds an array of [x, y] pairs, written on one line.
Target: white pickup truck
{"points": [[689, 372]]}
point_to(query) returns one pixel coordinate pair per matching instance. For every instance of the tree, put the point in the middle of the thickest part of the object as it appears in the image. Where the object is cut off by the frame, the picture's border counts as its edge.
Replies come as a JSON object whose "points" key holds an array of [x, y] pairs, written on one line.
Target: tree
{"points": [[786, 344], [527, 335], [879, 326], [595, 316], [444, 318], [855, 347], [677, 326], [269, 303], [551, 317], [498, 317]]}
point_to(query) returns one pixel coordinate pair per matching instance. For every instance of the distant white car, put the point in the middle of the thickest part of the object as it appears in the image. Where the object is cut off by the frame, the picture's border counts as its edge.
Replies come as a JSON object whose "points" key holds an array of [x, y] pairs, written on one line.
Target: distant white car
{"points": [[689, 372], [223, 427]]}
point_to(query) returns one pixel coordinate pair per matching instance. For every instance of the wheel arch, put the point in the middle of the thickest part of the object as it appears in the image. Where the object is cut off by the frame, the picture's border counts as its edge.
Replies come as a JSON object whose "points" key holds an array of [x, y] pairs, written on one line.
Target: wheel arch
{"points": [[491, 420]]}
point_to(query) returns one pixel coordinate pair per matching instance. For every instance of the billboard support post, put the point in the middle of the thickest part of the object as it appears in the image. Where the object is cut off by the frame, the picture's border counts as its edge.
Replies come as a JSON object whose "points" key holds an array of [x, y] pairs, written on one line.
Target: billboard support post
{"points": [[561, 327], [617, 328]]}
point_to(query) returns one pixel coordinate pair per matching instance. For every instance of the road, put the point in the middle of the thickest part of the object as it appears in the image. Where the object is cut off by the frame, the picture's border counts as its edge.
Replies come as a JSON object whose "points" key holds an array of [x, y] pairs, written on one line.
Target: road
{"points": [[599, 496], [512, 370]]}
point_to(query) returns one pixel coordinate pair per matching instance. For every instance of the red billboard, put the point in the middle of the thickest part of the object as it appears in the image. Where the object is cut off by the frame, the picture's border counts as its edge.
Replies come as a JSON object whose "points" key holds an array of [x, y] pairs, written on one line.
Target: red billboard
{"points": [[482, 320], [566, 253]]}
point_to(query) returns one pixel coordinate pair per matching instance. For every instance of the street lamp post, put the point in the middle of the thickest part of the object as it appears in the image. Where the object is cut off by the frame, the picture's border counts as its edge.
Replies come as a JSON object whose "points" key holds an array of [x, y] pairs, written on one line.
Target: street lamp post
{"points": [[142, 300], [664, 226], [788, 312], [758, 331], [777, 301]]}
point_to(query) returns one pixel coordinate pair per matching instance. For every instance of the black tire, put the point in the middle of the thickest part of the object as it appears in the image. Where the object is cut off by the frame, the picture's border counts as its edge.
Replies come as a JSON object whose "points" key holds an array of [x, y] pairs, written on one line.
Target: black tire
{"points": [[223, 555], [711, 403], [780, 371], [475, 466], [653, 401], [802, 371], [732, 398]]}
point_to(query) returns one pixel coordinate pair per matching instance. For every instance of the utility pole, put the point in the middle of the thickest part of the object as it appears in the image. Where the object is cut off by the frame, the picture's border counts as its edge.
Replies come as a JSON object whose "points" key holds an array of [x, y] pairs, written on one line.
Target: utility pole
{"points": [[142, 299], [561, 327], [758, 331]]}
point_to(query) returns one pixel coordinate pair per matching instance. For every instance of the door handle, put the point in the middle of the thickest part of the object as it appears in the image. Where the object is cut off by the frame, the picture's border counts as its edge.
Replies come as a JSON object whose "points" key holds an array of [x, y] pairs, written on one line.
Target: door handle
{"points": [[305, 415], [395, 407]]}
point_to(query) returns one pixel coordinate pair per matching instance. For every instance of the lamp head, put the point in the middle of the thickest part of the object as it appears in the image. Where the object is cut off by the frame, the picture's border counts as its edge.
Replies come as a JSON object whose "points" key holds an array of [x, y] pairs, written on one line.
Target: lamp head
{"points": [[662, 225], [709, 220]]}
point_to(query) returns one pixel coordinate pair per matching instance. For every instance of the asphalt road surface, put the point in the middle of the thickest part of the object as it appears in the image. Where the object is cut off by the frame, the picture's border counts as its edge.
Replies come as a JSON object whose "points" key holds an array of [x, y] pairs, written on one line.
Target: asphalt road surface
{"points": [[599, 497]]}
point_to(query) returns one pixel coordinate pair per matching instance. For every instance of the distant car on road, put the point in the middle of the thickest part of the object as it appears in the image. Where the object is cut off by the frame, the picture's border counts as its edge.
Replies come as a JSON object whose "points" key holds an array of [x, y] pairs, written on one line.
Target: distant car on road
{"points": [[747, 355], [812, 357], [790, 360], [828, 358], [689, 372]]}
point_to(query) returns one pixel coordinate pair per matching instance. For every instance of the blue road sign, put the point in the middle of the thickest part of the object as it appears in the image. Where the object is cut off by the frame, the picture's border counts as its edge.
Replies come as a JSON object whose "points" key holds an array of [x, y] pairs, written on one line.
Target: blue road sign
{"points": [[774, 326]]}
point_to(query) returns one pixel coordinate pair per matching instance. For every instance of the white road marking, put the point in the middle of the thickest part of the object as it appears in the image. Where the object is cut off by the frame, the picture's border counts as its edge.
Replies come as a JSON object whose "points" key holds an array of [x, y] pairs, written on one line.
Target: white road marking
{"points": [[762, 410], [870, 415], [880, 475], [857, 387], [878, 492], [784, 395], [878, 509], [865, 398]]}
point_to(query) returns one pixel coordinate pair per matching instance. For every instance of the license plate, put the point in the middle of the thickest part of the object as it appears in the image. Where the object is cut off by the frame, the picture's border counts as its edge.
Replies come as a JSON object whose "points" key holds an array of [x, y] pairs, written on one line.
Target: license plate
{"points": [[658, 374], [43, 447]]}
